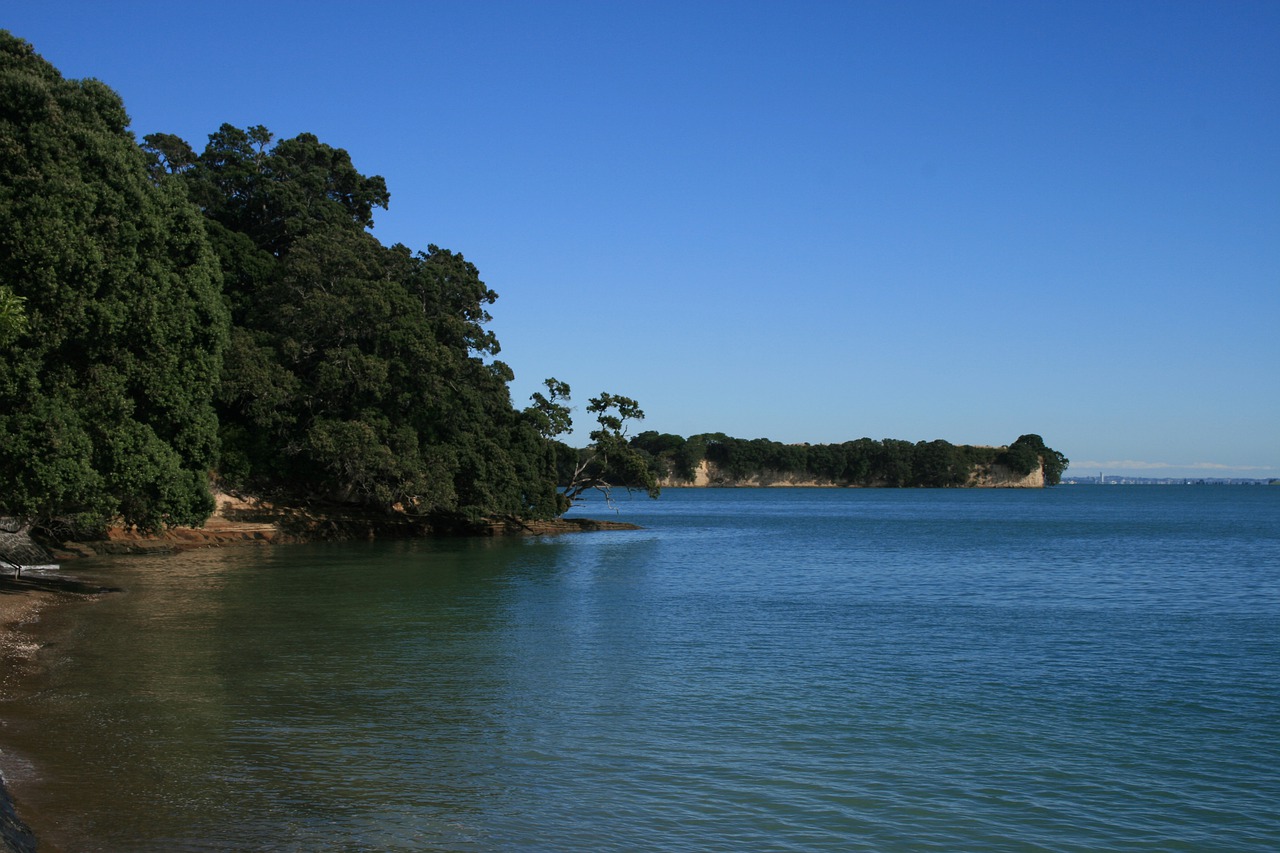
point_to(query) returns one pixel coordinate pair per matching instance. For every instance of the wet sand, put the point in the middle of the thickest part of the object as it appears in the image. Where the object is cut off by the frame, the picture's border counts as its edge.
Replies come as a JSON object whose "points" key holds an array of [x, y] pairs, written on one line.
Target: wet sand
{"points": [[22, 601]]}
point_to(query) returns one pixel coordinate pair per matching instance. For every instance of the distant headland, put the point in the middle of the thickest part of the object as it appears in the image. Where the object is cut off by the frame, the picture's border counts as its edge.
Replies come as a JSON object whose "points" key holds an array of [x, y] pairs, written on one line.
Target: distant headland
{"points": [[715, 459], [239, 330]]}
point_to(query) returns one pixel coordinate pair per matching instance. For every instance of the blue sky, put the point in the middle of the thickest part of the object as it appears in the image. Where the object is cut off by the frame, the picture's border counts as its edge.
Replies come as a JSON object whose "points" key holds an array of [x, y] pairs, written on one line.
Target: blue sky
{"points": [[800, 221]]}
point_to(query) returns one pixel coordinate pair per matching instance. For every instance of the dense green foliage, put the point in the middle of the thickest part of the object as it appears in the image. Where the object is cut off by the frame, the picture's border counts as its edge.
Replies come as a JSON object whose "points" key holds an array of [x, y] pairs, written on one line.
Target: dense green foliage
{"points": [[610, 461], [863, 462], [165, 314], [113, 329], [356, 372], [13, 317], [1029, 451]]}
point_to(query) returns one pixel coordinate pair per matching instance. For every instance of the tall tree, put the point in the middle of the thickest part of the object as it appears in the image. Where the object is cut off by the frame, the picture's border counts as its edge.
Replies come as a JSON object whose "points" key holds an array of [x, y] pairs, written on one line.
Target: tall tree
{"points": [[356, 372], [274, 194], [1029, 452], [106, 389]]}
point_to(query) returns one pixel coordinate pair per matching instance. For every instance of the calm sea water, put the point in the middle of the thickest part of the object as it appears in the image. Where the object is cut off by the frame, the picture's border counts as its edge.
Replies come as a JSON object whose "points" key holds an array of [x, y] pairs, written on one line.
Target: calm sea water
{"points": [[1075, 669]]}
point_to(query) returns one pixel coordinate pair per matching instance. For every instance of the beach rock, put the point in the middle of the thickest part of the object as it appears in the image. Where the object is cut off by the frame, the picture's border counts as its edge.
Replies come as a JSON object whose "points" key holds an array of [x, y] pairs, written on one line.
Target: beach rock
{"points": [[15, 836], [251, 521]]}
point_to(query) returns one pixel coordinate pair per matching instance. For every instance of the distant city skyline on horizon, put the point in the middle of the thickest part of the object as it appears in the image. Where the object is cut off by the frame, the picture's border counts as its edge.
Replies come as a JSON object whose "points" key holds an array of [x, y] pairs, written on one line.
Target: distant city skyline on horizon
{"points": [[1132, 479], [1169, 469]]}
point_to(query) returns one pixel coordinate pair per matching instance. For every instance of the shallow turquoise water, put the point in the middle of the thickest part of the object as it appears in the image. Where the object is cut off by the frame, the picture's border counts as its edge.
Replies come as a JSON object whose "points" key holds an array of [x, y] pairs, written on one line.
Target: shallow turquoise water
{"points": [[1080, 668]]}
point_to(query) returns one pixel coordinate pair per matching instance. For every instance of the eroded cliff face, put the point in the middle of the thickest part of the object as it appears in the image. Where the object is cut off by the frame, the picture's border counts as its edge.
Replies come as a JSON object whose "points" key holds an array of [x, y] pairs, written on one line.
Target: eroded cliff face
{"points": [[991, 476], [995, 476], [709, 475]]}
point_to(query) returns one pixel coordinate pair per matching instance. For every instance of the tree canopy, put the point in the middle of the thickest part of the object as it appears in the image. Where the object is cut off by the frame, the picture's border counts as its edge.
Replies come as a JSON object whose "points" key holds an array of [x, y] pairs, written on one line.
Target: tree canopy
{"points": [[610, 460], [864, 462], [1030, 451], [113, 324], [356, 372], [13, 318], [167, 313]]}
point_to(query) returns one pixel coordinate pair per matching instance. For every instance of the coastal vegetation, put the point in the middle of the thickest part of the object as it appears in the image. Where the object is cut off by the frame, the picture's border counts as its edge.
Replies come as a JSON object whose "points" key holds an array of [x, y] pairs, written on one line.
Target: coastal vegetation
{"points": [[169, 315], [864, 462], [353, 372], [114, 326], [166, 314]]}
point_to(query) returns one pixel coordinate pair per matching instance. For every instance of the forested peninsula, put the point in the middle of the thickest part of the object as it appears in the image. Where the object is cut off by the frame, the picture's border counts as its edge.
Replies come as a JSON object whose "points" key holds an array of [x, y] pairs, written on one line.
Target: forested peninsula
{"points": [[166, 315], [173, 320], [715, 459]]}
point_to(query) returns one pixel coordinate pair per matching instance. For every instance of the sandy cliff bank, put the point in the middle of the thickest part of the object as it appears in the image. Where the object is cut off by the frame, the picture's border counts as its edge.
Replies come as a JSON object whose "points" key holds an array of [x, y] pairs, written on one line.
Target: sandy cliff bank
{"points": [[708, 475]]}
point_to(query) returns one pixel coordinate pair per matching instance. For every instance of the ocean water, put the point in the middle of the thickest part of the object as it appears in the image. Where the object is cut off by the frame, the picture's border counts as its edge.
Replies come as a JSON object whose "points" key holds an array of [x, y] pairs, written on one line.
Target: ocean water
{"points": [[1073, 669]]}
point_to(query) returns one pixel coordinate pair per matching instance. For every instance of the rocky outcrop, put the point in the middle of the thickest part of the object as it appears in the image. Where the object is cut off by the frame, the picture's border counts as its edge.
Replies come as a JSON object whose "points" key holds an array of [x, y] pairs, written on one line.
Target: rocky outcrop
{"points": [[997, 476], [15, 836], [250, 521]]}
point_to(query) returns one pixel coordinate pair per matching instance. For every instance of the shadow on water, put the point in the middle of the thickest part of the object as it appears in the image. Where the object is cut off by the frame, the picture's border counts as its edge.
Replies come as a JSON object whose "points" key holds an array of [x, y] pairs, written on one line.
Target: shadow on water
{"points": [[306, 687], [835, 670], [30, 582]]}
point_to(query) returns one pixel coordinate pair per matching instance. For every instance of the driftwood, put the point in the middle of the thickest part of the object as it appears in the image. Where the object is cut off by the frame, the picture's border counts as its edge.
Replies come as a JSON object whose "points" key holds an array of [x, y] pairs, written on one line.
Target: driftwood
{"points": [[17, 550]]}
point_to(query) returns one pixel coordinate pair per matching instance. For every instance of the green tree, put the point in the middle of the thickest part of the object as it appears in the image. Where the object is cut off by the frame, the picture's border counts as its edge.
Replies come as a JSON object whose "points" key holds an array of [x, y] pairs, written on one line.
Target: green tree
{"points": [[356, 372], [825, 461], [106, 403], [167, 154], [668, 455], [610, 461], [893, 462], [1029, 452], [13, 318], [858, 456], [549, 412], [688, 459], [938, 464], [274, 194]]}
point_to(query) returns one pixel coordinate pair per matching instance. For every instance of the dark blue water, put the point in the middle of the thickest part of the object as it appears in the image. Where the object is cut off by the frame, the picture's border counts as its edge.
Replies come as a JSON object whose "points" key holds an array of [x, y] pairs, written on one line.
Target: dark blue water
{"points": [[1074, 669]]}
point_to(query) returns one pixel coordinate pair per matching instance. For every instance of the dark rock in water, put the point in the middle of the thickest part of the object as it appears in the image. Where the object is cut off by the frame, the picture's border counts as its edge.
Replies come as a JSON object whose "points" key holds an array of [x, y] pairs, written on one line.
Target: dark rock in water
{"points": [[15, 836]]}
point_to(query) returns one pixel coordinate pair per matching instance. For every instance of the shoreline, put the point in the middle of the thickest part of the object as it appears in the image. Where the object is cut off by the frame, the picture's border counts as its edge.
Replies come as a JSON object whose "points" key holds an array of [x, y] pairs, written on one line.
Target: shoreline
{"points": [[237, 522], [23, 601], [20, 605]]}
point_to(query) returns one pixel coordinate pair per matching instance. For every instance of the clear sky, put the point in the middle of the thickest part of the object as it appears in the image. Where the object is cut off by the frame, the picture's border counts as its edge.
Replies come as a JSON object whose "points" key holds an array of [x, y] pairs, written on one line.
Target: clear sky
{"points": [[800, 221]]}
